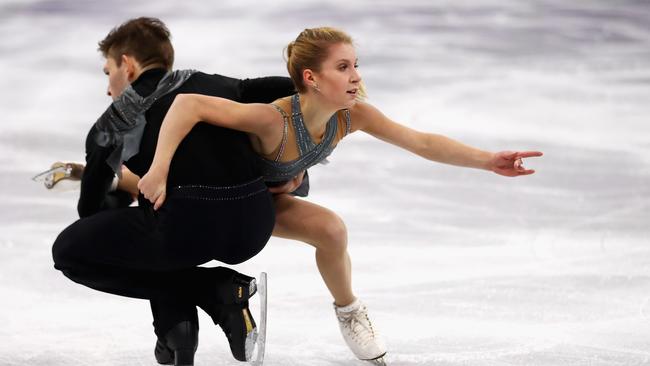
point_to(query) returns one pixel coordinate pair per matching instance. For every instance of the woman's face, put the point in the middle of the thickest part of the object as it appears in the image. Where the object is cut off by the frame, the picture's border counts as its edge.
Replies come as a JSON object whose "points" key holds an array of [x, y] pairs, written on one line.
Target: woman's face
{"points": [[338, 79]]}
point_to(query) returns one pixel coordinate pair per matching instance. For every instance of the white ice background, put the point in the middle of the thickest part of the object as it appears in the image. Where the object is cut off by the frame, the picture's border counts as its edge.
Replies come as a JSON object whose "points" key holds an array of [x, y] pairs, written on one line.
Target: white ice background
{"points": [[457, 266]]}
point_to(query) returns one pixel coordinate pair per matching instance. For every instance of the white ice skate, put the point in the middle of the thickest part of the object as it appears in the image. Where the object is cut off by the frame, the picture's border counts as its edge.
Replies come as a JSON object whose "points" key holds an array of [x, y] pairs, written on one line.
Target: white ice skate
{"points": [[360, 334], [58, 172]]}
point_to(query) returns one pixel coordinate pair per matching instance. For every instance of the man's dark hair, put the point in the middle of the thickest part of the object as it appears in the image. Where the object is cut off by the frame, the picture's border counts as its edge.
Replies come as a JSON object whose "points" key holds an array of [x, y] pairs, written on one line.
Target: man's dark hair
{"points": [[145, 39]]}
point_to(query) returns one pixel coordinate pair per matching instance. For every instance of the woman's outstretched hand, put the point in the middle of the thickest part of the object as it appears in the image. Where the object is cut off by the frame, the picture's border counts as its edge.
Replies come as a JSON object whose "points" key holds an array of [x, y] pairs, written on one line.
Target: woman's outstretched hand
{"points": [[510, 164], [154, 186]]}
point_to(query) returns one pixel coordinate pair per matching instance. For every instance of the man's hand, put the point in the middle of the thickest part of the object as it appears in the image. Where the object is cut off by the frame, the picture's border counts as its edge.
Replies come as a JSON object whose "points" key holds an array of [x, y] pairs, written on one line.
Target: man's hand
{"points": [[154, 186], [289, 186], [509, 163]]}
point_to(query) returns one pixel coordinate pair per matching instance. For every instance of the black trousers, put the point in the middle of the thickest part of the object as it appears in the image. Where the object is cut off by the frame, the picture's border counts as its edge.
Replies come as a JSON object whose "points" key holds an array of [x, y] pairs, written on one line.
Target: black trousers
{"points": [[141, 253]]}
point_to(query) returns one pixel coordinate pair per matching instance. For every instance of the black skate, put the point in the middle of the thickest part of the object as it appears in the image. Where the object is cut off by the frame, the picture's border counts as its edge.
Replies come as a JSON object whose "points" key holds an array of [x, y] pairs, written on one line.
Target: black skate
{"points": [[235, 318], [178, 346]]}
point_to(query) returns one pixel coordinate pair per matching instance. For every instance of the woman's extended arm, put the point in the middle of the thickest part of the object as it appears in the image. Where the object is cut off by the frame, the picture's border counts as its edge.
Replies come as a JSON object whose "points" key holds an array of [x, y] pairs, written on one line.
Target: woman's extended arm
{"points": [[185, 112], [437, 147]]}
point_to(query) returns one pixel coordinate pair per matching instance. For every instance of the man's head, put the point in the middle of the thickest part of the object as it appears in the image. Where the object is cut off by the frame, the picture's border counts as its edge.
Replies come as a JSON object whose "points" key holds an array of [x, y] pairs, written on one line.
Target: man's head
{"points": [[136, 45]]}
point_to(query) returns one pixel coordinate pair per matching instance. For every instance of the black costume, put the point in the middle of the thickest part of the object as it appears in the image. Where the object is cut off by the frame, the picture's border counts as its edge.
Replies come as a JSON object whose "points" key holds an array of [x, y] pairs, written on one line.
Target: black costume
{"points": [[217, 208], [189, 163]]}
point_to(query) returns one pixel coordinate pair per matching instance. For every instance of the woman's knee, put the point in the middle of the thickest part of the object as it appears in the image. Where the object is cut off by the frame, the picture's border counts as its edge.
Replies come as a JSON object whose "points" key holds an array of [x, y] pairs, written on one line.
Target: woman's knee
{"points": [[310, 223], [332, 235]]}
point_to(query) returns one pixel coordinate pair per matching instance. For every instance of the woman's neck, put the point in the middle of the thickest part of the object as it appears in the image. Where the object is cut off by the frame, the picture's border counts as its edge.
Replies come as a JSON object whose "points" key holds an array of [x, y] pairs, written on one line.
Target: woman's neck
{"points": [[315, 113]]}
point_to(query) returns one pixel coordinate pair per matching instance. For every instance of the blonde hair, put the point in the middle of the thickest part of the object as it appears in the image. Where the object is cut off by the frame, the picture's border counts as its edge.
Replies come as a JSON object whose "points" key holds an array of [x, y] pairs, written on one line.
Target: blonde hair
{"points": [[309, 51]]}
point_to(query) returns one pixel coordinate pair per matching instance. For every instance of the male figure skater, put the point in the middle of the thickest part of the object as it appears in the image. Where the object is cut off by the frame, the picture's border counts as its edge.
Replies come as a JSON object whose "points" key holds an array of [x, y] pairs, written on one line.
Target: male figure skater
{"points": [[219, 207]]}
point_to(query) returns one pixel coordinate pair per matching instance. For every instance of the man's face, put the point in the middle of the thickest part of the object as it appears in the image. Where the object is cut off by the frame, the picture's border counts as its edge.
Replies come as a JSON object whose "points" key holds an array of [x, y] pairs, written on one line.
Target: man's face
{"points": [[118, 77]]}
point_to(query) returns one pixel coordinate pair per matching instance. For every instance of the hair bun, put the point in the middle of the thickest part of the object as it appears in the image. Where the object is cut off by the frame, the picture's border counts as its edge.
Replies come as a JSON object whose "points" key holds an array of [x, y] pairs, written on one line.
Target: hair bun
{"points": [[290, 49]]}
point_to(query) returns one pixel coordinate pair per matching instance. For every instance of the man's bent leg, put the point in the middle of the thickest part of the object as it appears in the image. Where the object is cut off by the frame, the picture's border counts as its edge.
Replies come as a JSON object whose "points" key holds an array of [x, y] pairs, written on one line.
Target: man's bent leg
{"points": [[177, 329]]}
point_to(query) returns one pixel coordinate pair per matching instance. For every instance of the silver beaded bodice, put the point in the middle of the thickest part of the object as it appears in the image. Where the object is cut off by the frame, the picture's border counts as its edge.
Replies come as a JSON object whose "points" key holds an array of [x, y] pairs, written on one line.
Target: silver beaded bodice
{"points": [[310, 153]]}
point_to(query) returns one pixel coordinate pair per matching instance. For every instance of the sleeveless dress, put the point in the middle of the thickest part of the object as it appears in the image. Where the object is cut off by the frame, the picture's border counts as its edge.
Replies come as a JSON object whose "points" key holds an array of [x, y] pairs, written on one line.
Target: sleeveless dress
{"points": [[276, 172]]}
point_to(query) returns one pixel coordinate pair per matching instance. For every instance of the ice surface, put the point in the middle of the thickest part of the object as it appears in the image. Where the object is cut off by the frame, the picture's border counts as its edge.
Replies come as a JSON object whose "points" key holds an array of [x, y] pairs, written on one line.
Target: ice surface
{"points": [[457, 266]]}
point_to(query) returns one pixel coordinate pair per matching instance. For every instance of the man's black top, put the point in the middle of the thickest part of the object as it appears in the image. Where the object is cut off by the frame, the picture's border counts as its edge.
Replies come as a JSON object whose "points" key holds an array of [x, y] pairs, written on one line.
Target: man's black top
{"points": [[209, 155]]}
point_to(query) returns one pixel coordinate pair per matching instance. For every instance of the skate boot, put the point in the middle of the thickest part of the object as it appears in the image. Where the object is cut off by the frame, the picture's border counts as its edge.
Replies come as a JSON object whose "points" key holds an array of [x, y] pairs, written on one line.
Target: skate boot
{"points": [[178, 346], [234, 317], [164, 355], [359, 332], [58, 172], [238, 325]]}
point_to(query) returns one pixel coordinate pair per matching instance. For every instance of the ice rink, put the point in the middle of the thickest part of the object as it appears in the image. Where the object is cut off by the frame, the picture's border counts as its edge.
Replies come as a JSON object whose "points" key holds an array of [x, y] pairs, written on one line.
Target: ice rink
{"points": [[457, 266]]}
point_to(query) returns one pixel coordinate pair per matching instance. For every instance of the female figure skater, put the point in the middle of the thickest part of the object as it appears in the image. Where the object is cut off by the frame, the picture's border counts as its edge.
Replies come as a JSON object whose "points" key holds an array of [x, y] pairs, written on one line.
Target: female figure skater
{"points": [[296, 132]]}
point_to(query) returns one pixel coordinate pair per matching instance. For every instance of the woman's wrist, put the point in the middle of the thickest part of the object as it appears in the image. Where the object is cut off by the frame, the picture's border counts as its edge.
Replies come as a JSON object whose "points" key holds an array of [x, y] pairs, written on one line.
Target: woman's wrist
{"points": [[488, 161], [159, 167]]}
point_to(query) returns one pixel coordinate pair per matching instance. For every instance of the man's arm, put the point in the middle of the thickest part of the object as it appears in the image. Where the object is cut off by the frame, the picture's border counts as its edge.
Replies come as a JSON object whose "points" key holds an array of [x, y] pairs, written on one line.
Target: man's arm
{"points": [[265, 90], [97, 177]]}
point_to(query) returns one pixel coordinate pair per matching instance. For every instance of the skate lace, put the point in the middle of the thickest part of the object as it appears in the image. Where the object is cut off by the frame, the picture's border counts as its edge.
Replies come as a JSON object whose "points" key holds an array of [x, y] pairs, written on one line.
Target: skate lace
{"points": [[358, 325]]}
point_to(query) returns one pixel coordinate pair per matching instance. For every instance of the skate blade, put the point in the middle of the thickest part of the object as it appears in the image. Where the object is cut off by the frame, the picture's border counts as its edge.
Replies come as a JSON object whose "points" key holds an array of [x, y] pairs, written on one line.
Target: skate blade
{"points": [[249, 347], [257, 358], [40, 177], [380, 361]]}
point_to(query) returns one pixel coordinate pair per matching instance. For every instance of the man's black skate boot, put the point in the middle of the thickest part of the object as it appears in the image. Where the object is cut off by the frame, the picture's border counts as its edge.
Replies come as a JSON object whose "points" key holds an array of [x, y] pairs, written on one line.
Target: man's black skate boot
{"points": [[236, 288], [233, 315], [164, 355], [239, 327], [179, 345]]}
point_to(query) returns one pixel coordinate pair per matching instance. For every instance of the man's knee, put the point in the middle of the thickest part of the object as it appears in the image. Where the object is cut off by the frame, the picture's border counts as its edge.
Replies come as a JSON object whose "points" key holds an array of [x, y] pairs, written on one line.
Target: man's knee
{"points": [[64, 249]]}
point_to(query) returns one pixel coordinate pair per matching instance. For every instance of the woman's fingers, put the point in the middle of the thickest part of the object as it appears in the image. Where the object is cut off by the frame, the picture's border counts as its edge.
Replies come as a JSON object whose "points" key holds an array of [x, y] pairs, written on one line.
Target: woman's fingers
{"points": [[529, 154], [159, 201]]}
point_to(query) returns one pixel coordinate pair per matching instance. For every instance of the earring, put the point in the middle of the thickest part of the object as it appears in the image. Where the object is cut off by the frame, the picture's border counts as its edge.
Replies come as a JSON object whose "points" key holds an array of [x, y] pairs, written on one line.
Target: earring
{"points": [[316, 87]]}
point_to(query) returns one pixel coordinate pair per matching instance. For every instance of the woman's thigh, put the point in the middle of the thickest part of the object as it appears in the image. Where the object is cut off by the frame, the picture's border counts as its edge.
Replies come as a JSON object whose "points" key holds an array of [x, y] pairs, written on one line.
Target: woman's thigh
{"points": [[311, 223]]}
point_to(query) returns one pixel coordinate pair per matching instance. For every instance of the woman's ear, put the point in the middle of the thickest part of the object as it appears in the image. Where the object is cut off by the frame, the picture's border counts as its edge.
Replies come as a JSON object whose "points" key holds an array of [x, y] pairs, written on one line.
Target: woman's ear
{"points": [[309, 78]]}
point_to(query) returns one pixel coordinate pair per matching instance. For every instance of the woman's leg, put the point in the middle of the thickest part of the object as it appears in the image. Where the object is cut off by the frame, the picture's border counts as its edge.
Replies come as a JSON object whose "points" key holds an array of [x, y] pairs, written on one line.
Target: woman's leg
{"points": [[316, 225], [320, 227]]}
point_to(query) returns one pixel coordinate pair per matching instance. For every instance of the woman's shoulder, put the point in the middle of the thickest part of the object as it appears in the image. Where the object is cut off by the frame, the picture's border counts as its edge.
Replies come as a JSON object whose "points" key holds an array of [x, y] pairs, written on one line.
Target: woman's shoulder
{"points": [[284, 103], [362, 113], [361, 107]]}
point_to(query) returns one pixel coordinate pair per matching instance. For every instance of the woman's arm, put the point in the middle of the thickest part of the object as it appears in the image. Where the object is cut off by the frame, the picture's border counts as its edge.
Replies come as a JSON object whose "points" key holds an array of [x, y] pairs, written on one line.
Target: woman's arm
{"points": [[436, 147], [189, 109], [261, 120]]}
